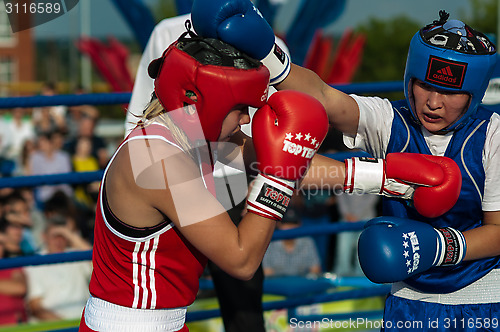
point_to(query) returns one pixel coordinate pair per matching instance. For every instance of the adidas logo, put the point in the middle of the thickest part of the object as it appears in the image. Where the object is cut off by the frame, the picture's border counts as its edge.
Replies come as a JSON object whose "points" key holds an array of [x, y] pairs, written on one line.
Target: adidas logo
{"points": [[445, 71], [444, 75]]}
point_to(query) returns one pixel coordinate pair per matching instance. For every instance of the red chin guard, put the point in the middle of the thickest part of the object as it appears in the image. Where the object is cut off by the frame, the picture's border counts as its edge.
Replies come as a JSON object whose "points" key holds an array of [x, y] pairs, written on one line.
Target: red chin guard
{"points": [[218, 89]]}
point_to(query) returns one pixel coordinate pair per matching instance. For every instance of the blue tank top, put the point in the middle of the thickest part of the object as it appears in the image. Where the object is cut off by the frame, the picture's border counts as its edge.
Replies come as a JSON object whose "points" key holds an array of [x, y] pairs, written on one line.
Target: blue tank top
{"points": [[465, 148]]}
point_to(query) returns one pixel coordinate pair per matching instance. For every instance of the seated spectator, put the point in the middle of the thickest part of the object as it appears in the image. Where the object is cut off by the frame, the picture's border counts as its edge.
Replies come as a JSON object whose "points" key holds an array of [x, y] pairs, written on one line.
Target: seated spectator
{"points": [[78, 219], [291, 257], [84, 161], [352, 208], [86, 128], [49, 118], [76, 112], [20, 130], [58, 138], [7, 165], [59, 291], [17, 213], [5, 137], [47, 159], [12, 292], [37, 218], [24, 167], [15, 221], [14, 131]]}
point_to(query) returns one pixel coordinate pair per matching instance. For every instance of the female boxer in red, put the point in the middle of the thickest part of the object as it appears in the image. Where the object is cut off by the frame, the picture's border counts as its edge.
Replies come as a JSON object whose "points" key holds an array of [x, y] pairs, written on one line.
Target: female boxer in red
{"points": [[158, 218]]}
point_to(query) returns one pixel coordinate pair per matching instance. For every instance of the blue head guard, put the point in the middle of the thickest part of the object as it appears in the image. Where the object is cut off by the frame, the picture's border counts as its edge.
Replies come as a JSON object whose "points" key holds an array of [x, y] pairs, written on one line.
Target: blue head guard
{"points": [[450, 56]]}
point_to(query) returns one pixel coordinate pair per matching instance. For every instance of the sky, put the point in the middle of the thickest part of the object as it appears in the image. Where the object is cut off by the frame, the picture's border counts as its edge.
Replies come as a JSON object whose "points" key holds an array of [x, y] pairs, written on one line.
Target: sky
{"points": [[105, 20]]}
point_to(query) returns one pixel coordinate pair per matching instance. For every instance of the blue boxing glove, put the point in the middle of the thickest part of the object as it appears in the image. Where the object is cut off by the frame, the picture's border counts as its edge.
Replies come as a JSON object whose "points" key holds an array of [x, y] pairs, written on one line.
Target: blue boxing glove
{"points": [[239, 23], [392, 249]]}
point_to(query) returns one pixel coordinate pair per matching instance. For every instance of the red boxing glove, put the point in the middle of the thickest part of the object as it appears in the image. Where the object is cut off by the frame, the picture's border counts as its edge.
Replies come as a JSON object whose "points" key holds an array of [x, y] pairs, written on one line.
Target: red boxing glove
{"points": [[432, 182], [286, 132]]}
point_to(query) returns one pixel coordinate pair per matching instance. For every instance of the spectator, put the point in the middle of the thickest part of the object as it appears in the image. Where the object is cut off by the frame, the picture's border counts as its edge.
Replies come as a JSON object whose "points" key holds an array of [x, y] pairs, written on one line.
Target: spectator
{"points": [[13, 237], [38, 220], [86, 128], [77, 219], [76, 112], [84, 161], [58, 139], [5, 140], [6, 165], [27, 150], [59, 291], [12, 292], [15, 222], [291, 257], [51, 118], [18, 215], [352, 208], [47, 159], [20, 130]]}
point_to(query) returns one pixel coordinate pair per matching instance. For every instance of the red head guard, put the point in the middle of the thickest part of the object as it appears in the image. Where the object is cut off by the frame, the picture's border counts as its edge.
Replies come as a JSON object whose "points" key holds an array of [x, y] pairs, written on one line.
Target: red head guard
{"points": [[218, 89]]}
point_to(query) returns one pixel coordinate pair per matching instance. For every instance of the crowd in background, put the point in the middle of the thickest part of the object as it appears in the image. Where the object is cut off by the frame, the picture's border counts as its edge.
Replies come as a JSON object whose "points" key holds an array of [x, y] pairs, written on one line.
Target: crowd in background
{"points": [[58, 218], [51, 218]]}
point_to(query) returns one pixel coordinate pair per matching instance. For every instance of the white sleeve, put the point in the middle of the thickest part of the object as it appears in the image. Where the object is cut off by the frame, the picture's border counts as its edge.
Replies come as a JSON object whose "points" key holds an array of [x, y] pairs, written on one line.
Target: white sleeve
{"points": [[491, 162], [34, 279], [374, 127], [165, 33]]}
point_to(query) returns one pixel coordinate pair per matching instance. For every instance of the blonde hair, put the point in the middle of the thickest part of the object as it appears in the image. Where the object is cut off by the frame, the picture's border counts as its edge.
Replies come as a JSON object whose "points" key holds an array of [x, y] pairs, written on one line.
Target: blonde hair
{"points": [[155, 113]]}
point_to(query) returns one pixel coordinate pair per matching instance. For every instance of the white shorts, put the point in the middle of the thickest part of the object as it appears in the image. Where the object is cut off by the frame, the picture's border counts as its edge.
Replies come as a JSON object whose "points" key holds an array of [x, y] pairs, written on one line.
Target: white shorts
{"points": [[484, 290], [101, 315]]}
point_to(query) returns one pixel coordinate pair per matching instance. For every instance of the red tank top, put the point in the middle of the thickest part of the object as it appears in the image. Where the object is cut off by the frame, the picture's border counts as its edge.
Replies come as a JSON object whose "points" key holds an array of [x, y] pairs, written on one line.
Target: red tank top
{"points": [[12, 308], [144, 268]]}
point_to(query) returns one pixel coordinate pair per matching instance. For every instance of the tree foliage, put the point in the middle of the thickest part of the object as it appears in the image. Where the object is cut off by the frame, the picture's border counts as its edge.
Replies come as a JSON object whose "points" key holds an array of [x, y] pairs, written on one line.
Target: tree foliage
{"points": [[483, 16], [386, 48], [164, 9]]}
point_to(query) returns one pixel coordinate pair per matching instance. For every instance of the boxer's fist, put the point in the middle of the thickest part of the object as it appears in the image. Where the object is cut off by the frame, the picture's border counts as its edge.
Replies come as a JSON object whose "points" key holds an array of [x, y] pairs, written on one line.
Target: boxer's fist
{"points": [[432, 182], [392, 249], [239, 23], [286, 133]]}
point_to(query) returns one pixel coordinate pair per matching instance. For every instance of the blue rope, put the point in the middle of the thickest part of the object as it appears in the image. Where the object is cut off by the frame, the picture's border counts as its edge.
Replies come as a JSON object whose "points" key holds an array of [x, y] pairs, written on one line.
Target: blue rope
{"points": [[124, 97], [87, 177], [69, 100], [322, 229], [358, 293], [358, 88], [75, 256], [307, 300], [51, 179]]}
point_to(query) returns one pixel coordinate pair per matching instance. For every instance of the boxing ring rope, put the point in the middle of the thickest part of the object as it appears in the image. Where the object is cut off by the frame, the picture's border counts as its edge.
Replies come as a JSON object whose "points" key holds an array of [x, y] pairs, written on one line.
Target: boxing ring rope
{"points": [[68, 100], [362, 287], [75, 256], [124, 97]]}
